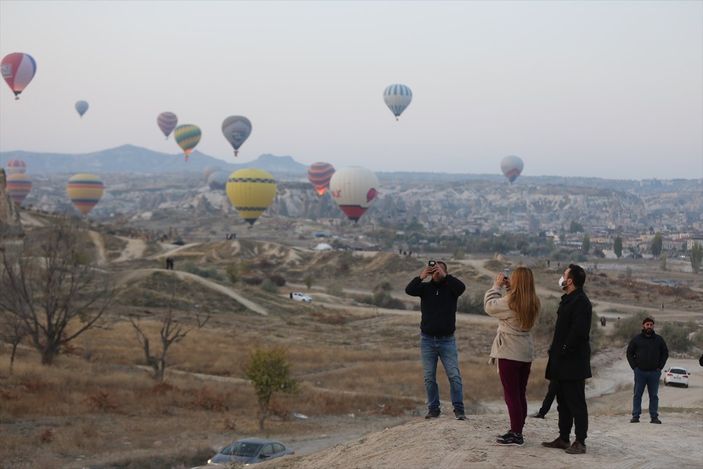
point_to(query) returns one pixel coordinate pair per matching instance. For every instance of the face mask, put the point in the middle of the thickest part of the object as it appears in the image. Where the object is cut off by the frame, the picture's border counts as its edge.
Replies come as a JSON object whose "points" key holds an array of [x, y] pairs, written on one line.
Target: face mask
{"points": [[562, 283]]}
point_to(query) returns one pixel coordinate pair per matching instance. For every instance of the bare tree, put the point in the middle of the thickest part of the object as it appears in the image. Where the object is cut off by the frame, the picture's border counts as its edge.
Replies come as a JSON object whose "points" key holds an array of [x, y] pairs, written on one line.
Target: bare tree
{"points": [[171, 333], [52, 289], [12, 331]]}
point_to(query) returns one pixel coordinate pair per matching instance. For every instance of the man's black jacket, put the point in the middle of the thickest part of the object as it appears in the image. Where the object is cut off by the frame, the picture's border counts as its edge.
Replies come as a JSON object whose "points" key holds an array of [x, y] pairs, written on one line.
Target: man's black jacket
{"points": [[437, 303], [647, 352], [570, 352]]}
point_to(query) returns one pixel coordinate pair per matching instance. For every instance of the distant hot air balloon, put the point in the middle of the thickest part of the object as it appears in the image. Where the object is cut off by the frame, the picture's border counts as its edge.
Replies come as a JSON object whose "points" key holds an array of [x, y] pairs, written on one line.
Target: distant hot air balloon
{"points": [[319, 175], [85, 191], [167, 121], [18, 69], [397, 98], [251, 191], [511, 166], [236, 130], [217, 181], [82, 107], [354, 189], [187, 137], [16, 167], [19, 185]]}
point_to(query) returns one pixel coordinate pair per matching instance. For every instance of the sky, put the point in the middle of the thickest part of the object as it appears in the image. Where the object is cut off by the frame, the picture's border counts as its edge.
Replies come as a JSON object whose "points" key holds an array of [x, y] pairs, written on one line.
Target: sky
{"points": [[602, 89]]}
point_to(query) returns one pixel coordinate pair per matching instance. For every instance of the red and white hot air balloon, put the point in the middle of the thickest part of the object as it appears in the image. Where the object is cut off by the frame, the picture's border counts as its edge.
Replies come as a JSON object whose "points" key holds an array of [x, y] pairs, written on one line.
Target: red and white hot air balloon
{"points": [[18, 69], [511, 166], [354, 189], [16, 167], [319, 175]]}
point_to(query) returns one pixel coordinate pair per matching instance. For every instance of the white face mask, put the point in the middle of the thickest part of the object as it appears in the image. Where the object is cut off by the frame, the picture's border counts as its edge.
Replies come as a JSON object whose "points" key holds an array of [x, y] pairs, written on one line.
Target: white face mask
{"points": [[562, 283]]}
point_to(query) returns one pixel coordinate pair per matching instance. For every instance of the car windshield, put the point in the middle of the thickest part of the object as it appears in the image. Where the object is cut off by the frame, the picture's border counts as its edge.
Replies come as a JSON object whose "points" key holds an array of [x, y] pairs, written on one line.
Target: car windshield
{"points": [[246, 449], [678, 371]]}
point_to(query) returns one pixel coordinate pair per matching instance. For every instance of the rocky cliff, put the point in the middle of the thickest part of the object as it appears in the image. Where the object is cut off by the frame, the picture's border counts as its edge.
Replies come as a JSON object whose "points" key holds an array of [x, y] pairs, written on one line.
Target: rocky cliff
{"points": [[10, 225]]}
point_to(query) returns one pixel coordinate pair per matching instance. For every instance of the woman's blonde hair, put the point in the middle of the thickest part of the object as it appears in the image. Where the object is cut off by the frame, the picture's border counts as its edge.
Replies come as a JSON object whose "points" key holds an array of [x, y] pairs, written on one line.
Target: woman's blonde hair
{"points": [[522, 297]]}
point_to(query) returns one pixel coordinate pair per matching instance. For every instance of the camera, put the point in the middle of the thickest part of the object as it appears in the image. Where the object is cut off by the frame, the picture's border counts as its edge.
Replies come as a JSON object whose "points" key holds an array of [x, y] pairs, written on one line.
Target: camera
{"points": [[432, 263]]}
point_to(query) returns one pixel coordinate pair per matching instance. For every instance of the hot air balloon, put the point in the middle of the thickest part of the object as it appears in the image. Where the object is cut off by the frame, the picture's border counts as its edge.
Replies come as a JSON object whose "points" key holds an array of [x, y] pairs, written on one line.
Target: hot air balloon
{"points": [[167, 121], [16, 167], [19, 185], [82, 107], [217, 181], [397, 98], [319, 175], [511, 166], [236, 130], [187, 137], [251, 191], [18, 69], [85, 191], [354, 189]]}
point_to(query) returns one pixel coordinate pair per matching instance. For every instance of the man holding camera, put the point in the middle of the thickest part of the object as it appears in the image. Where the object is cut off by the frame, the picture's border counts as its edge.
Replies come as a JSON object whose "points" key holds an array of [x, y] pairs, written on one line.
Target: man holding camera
{"points": [[438, 299]]}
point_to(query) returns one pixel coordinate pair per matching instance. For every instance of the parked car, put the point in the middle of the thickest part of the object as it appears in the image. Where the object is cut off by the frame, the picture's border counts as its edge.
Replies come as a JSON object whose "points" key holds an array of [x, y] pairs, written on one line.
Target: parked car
{"points": [[298, 296], [676, 375], [250, 451]]}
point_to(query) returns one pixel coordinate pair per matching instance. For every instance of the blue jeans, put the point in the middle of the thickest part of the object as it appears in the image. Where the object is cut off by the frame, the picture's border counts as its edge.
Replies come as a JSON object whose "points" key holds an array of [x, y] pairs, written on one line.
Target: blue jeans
{"points": [[444, 348], [651, 380]]}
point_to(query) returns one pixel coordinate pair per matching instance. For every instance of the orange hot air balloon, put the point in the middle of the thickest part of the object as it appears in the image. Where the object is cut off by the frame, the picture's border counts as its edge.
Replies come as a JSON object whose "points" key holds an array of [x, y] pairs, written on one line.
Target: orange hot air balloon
{"points": [[19, 185]]}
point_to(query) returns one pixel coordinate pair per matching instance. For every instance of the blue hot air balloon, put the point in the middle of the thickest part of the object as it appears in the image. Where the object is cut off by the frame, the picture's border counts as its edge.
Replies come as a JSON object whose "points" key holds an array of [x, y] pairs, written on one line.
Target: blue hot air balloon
{"points": [[397, 98]]}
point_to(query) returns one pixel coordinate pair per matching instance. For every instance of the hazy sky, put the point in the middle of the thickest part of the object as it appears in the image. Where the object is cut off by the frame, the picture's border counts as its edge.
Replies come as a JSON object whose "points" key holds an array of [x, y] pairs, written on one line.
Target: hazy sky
{"points": [[608, 89]]}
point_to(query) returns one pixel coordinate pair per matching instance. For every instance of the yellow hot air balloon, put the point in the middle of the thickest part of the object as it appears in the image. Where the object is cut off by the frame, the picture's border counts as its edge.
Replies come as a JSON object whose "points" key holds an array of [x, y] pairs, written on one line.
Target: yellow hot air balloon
{"points": [[85, 191], [251, 191]]}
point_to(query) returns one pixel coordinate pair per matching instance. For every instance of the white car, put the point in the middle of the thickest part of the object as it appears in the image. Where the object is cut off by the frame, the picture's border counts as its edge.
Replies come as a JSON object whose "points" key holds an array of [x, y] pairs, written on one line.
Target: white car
{"points": [[676, 375], [298, 296]]}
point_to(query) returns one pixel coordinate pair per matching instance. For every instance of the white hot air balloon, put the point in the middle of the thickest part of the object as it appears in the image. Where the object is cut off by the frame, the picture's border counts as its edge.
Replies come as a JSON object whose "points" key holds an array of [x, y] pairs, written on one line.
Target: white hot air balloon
{"points": [[397, 97], [354, 189], [511, 166]]}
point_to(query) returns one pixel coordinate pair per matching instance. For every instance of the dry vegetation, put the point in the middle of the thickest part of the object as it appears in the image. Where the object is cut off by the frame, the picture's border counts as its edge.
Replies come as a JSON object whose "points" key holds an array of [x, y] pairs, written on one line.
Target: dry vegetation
{"points": [[97, 407]]}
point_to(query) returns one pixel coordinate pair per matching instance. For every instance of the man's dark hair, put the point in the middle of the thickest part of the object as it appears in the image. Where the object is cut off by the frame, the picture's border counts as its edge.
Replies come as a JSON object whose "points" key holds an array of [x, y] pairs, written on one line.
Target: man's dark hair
{"points": [[648, 320], [577, 274], [444, 264]]}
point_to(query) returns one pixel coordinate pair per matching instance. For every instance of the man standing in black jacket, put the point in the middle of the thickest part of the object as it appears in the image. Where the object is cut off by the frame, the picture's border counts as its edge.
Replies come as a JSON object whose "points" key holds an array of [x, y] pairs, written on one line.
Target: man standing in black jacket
{"points": [[647, 354], [438, 299], [570, 361]]}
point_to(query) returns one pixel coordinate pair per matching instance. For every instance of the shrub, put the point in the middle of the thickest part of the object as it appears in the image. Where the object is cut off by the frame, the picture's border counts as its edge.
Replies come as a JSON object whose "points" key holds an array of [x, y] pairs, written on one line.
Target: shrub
{"points": [[278, 280], [253, 280], [102, 400], [471, 304], [210, 272], [268, 286], [676, 335], [628, 327], [233, 272]]}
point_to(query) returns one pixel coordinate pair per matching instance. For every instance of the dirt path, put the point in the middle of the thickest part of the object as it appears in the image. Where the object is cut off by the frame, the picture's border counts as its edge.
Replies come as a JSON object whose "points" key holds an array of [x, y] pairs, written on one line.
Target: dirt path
{"points": [[99, 246], [172, 251], [134, 250], [139, 273]]}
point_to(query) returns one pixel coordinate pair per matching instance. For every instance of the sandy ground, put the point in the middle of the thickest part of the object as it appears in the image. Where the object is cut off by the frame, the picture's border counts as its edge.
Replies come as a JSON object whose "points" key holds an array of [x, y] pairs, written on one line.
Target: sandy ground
{"points": [[134, 250], [613, 442], [99, 246]]}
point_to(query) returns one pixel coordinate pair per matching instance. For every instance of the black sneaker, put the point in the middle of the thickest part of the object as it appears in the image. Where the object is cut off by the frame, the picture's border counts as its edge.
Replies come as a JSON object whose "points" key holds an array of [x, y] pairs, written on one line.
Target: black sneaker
{"points": [[655, 420], [635, 420], [511, 439], [537, 415], [432, 414], [459, 414]]}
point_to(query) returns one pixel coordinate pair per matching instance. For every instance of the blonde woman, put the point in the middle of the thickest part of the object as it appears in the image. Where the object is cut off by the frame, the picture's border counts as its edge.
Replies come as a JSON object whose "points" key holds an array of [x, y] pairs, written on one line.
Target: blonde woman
{"points": [[517, 312]]}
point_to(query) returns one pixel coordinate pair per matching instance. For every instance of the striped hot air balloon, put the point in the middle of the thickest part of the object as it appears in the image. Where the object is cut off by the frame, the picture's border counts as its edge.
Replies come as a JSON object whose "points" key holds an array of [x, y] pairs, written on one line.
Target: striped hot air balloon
{"points": [[354, 189], [319, 175], [167, 121], [85, 191], [19, 185], [397, 98], [251, 191], [511, 166], [16, 167], [18, 69], [81, 107], [187, 137]]}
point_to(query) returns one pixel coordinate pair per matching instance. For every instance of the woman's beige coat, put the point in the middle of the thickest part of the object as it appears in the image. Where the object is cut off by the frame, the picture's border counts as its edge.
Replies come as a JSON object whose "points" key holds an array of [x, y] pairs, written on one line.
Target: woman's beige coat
{"points": [[511, 342]]}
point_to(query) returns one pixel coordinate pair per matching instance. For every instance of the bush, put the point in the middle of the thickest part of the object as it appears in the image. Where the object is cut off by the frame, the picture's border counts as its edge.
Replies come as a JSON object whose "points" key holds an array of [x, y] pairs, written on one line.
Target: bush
{"points": [[253, 280], [268, 286], [210, 272], [278, 280], [470, 304], [676, 335], [628, 327], [233, 272]]}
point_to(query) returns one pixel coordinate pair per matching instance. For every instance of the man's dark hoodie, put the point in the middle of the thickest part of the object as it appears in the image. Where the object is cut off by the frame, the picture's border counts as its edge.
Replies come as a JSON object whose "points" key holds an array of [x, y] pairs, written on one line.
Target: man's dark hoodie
{"points": [[647, 352], [437, 303]]}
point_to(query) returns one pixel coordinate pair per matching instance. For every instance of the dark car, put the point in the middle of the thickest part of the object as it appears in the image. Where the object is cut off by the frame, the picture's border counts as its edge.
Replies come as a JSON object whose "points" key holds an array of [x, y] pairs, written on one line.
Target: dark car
{"points": [[250, 451]]}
